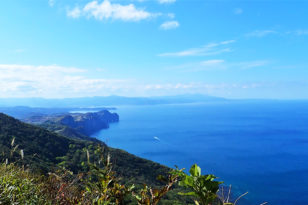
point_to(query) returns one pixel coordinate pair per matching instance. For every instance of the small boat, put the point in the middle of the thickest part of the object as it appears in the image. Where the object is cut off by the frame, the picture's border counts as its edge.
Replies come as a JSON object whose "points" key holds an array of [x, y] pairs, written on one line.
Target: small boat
{"points": [[156, 138]]}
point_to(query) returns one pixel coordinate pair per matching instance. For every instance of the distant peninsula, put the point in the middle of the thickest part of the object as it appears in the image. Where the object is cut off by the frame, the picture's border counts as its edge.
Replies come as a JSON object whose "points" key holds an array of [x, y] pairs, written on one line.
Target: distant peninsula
{"points": [[85, 123]]}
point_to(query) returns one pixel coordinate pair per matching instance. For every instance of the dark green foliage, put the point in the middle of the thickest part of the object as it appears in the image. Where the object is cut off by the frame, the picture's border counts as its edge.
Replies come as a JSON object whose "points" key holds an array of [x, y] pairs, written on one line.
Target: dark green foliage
{"points": [[203, 187], [127, 165]]}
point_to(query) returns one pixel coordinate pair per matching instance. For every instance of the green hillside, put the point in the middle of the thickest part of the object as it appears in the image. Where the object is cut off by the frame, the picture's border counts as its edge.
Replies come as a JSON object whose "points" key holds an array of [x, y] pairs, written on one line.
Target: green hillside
{"points": [[45, 151]]}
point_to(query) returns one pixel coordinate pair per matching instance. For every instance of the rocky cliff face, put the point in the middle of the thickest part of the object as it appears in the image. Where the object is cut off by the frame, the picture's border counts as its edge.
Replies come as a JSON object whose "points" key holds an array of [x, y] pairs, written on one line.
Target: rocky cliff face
{"points": [[89, 123]]}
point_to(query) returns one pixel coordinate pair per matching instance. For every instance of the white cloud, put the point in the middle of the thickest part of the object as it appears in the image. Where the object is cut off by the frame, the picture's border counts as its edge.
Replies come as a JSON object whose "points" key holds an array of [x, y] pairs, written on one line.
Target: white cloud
{"points": [[169, 25], [217, 64], [209, 49], [107, 10], [252, 64], [211, 63], [55, 81], [263, 33], [207, 65], [52, 81], [166, 1], [260, 33], [51, 3], [238, 11], [74, 13]]}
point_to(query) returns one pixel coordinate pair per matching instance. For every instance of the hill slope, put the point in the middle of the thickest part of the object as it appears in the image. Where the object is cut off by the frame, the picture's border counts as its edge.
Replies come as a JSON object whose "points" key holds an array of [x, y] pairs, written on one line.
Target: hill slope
{"points": [[45, 150]]}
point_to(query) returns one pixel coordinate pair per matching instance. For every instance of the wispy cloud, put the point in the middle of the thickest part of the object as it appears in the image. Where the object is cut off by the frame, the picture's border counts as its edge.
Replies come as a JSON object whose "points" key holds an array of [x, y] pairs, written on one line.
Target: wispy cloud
{"points": [[251, 64], [166, 1], [107, 10], [169, 25], [209, 49], [217, 64], [238, 11], [261, 33], [207, 65]]}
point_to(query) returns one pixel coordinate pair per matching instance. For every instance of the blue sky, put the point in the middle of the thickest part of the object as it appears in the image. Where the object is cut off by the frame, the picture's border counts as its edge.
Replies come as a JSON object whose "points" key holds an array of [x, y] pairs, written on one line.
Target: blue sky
{"points": [[75, 48]]}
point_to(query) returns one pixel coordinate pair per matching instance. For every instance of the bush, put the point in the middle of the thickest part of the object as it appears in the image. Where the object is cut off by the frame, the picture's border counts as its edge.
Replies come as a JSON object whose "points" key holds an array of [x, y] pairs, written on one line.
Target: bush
{"points": [[19, 187]]}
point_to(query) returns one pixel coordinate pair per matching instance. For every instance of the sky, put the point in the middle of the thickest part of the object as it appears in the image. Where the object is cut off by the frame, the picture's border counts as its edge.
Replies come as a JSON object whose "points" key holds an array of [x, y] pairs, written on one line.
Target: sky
{"points": [[79, 48]]}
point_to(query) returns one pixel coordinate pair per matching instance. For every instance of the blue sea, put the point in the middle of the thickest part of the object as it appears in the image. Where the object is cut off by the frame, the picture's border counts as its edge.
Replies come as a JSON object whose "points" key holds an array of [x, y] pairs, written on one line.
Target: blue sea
{"points": [[257, 146]]}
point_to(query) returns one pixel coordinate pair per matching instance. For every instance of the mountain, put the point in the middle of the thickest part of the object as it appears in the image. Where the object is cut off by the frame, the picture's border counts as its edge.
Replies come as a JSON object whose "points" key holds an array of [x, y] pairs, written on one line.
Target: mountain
{"points": [[45, 151], [106, 101]]}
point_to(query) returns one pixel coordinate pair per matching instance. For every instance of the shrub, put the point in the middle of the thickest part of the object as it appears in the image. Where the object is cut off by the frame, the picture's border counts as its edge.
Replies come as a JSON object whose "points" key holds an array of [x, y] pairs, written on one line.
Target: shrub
{"points": [[19, 187]]}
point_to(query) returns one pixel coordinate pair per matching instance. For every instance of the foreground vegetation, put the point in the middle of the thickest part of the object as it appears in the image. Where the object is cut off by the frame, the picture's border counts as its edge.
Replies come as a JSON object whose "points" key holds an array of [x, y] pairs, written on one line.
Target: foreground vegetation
{"points": [[100, 186]]}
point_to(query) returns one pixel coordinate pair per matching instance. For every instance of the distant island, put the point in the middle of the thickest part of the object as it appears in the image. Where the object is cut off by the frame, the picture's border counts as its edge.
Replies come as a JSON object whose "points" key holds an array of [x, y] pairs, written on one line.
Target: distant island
{"points": [[99, 101]]}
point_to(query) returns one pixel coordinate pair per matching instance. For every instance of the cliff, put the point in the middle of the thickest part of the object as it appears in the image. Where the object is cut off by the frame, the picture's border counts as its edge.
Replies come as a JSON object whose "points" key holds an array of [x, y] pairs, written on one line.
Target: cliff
{"points": [[89, 123]]}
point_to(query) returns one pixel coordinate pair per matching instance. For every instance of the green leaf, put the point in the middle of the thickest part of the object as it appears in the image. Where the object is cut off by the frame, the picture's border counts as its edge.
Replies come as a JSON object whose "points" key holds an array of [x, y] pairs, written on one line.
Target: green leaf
{"points": [[187, 181], [88, 189], [195, 170], [196, 202], [138, 198], [188, 194]]}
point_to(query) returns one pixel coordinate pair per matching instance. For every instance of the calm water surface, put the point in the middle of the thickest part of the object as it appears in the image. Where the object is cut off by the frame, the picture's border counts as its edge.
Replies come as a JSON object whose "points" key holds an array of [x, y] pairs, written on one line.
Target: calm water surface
{"points": [[259, 147]]}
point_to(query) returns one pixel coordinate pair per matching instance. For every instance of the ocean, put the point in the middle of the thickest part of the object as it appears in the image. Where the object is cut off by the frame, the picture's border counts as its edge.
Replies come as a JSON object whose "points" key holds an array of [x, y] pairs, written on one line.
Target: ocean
{"points": [[257, 146]]}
